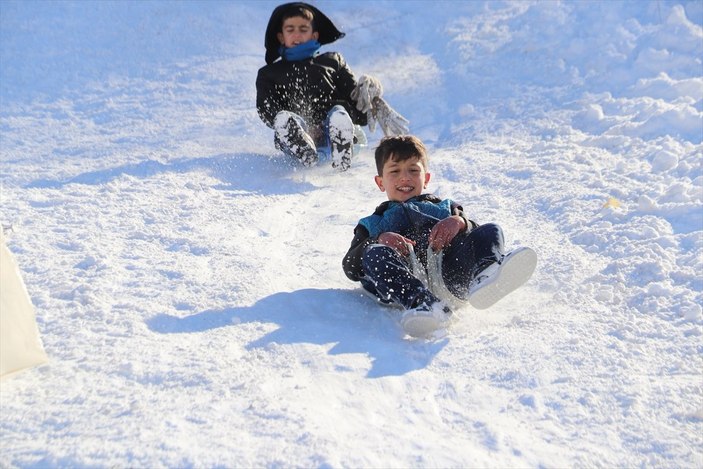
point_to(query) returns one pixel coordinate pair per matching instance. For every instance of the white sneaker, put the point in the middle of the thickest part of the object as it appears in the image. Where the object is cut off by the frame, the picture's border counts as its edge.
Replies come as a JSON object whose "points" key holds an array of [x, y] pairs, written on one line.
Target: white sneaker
{"points": [[423, 320], [341, 135], [499, 279]]}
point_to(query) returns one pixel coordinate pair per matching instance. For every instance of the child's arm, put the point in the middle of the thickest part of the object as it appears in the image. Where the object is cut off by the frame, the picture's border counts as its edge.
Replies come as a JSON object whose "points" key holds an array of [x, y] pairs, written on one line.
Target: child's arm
{"points": [[266, 103], [352, 260]]}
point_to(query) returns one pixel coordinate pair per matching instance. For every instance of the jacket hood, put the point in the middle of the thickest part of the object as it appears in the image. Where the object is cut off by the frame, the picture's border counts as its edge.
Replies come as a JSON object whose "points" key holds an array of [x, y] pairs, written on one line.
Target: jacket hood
{"points": [[327, 31]]}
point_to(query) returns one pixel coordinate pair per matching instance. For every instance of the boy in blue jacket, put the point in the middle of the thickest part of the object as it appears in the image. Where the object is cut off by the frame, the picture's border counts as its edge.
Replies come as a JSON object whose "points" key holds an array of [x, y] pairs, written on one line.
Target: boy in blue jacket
{"points": [[312, 100], [416, 248]]}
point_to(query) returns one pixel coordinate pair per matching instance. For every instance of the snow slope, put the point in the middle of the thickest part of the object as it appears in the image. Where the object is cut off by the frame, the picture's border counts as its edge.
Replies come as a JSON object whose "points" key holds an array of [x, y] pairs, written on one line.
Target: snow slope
{"points": [[187, 279]]}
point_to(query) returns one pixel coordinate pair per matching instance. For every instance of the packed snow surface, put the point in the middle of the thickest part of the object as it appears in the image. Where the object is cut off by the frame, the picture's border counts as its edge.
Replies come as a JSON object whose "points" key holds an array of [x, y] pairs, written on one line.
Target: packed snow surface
{"points": [[187, 278]]}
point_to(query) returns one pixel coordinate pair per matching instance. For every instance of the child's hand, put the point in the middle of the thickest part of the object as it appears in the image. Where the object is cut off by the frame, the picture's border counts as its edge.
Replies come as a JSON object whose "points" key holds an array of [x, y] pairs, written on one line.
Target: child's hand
{"points": [[444, 231], [396, 241], [367, 88]]}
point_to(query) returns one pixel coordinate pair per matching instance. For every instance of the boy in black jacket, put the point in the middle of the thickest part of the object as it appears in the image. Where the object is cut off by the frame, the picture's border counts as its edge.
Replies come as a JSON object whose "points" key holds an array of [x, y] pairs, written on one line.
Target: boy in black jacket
{"points": [[416, 248], [312, 100]]}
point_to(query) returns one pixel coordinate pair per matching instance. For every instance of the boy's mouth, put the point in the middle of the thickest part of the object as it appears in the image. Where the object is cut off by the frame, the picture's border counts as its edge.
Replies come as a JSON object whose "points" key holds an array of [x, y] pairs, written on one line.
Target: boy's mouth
{"points": [[405, 188]]}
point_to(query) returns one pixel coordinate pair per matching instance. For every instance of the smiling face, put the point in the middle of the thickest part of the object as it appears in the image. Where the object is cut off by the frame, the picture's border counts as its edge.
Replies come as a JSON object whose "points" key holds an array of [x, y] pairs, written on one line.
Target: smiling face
{"points": [[403, 180], [296, 30]]}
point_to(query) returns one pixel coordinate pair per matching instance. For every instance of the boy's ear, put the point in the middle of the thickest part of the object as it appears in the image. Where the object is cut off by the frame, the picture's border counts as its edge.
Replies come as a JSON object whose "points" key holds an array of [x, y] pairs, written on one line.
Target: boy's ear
{"points": [[316, 35], [428, 176], [379, 183], [280, 38]]}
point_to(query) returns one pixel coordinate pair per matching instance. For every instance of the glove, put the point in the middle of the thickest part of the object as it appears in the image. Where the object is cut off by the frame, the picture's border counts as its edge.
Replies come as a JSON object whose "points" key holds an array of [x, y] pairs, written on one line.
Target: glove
{"points": [[367, 88], [390, 121]]}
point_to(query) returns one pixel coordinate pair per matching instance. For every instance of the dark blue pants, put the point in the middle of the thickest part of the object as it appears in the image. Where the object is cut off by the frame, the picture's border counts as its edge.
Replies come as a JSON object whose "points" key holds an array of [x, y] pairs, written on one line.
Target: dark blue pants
{"points": [[388, 275]]}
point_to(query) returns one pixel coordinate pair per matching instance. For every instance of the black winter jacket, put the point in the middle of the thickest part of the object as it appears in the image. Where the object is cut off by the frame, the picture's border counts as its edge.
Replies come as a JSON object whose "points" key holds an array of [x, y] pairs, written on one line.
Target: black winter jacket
{"points": [[309, 88]]}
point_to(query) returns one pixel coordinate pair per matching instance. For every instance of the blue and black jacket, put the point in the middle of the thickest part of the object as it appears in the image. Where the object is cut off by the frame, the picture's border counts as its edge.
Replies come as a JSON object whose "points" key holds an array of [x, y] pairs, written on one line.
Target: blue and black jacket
{"points": [[413, 219]]}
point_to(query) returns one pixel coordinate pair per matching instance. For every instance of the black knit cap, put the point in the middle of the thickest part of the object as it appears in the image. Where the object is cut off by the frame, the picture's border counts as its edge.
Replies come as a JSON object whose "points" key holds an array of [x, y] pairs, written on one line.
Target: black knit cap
{"points": [[327, 31]]}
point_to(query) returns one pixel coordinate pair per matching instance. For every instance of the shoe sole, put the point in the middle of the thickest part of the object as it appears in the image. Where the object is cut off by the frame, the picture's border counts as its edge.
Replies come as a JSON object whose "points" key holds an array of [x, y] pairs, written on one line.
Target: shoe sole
{"points": [[341, 125], [516, 269], [420, 326], [304, 151]]}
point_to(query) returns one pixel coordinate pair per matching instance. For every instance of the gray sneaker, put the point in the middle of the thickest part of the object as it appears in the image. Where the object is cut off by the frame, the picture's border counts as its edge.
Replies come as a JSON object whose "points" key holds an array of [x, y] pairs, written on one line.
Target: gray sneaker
{"points": [[501, 278]]}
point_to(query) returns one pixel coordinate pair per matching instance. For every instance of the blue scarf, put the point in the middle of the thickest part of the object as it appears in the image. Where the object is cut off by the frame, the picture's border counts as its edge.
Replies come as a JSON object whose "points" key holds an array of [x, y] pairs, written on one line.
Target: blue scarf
{"points": [[301, 51]]}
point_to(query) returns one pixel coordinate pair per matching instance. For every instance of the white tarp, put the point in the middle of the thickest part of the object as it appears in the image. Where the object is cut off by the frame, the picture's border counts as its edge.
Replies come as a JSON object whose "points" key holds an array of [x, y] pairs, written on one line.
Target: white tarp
{"points": [[20, 345]]}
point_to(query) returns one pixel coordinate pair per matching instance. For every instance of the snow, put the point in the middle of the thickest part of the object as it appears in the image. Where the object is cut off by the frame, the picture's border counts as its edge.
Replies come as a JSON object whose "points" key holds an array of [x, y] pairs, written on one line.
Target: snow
{"points": [[187, 279]]}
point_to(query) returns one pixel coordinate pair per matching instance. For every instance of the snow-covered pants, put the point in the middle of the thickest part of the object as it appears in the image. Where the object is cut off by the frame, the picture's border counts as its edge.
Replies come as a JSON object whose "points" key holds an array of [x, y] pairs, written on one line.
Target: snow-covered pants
{"points": [[389, 276]]}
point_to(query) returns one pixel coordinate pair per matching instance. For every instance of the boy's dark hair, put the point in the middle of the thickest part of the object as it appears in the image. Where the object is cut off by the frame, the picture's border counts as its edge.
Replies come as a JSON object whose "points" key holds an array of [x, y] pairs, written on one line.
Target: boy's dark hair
{"points": [[321, 24], [296, 10], [400, 148]]}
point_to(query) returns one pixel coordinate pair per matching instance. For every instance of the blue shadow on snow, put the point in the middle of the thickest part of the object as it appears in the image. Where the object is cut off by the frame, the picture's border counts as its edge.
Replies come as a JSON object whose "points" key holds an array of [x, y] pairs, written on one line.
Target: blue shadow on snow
{"points": [[244, 171], [347, 318]]}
